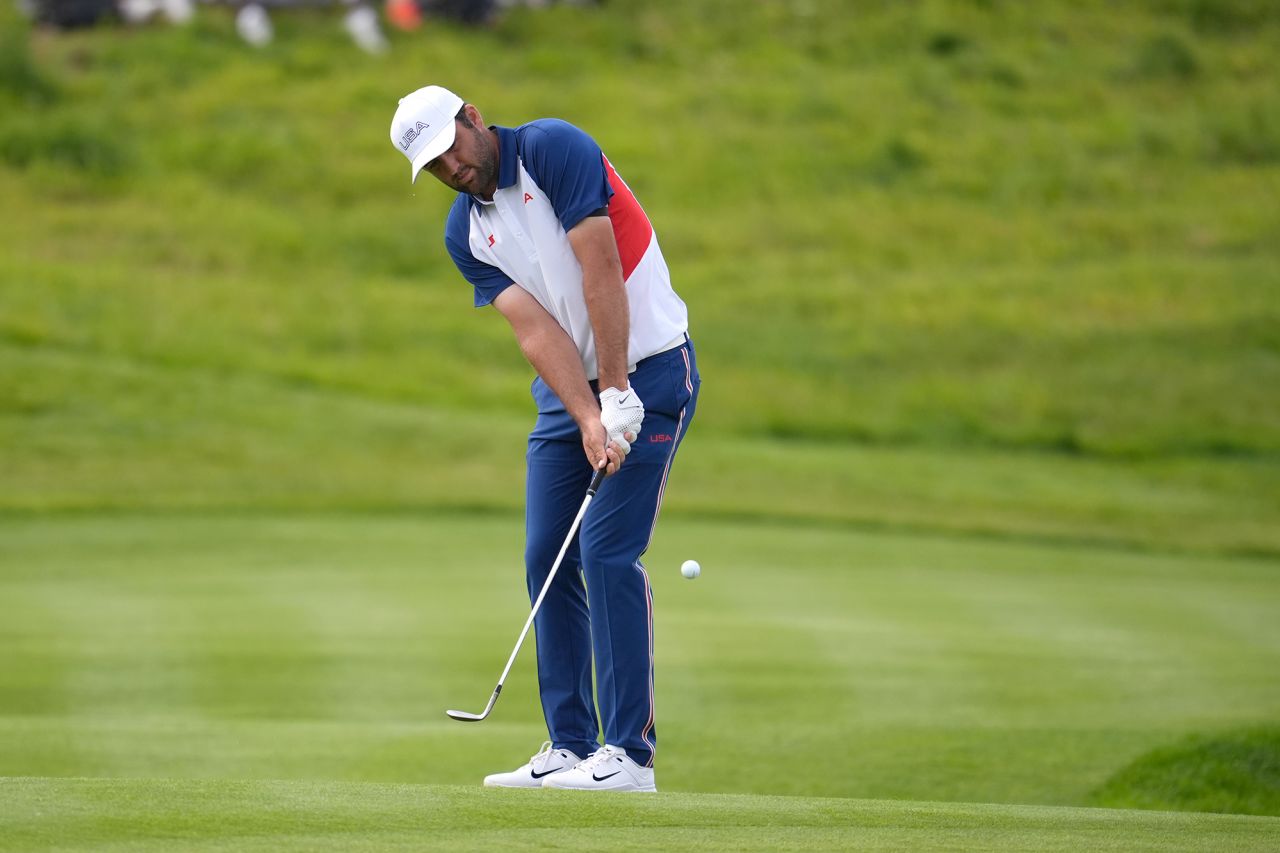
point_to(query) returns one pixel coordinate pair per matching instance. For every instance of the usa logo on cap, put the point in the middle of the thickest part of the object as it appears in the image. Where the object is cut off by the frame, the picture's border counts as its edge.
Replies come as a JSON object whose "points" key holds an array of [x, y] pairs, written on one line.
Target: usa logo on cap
{"points": [[412, 134]]}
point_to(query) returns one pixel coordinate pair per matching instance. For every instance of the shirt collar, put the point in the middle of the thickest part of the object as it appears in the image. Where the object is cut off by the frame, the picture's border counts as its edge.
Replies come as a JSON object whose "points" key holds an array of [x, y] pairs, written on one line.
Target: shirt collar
{"points": [[506, 161]]}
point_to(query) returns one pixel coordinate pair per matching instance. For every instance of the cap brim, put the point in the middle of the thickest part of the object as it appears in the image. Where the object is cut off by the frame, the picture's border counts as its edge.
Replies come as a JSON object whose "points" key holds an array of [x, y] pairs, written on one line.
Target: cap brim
{"points": [[438, 145]]}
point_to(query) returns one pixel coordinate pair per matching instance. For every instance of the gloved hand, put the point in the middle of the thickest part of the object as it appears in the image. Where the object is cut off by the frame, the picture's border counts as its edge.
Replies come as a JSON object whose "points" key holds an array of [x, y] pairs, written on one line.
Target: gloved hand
{"points": [[621, 414]]}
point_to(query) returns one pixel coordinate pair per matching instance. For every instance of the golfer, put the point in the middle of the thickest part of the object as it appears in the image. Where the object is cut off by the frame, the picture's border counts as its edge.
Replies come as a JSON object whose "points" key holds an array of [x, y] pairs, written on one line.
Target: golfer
{"points": [[546, 231]]}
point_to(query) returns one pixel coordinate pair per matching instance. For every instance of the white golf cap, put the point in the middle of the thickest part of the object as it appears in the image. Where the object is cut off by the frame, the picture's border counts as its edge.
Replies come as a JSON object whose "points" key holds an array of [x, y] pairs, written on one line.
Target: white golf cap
{"points": [[423, 125]]}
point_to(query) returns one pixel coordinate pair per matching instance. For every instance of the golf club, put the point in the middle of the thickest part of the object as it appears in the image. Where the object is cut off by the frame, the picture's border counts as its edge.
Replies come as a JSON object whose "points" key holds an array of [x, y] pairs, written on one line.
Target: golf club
{"points": [[465, 717]]}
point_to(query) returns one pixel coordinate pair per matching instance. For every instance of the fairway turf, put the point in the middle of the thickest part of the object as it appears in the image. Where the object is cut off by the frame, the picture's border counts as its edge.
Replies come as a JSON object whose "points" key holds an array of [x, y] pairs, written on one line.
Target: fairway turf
{"points": [[808, 662], [156, 815]]}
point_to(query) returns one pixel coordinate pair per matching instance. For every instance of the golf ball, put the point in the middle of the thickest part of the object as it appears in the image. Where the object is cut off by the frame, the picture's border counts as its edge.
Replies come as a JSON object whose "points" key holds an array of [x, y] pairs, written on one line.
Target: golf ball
{"points": [[690, 569]]}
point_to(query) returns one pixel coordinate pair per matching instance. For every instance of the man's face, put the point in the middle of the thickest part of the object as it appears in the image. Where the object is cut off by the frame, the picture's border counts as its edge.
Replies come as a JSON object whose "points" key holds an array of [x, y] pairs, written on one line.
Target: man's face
{"points": [[470, 165]]}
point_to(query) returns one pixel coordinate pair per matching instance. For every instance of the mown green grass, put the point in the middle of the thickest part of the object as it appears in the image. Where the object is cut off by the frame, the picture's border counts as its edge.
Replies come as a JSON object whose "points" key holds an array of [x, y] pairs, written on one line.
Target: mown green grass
{"points": [[88, 814], [278, 682], [804, 661]]}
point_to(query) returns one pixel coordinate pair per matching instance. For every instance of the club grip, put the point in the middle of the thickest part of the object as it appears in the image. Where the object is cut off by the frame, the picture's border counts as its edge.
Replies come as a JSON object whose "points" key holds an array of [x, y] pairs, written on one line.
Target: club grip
{"points": [[597, 480]]}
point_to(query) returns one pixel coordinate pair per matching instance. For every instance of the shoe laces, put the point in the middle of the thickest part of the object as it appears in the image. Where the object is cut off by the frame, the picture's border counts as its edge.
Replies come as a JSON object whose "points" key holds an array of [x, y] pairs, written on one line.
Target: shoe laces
{"points": [[544, 755], [600, 756]]}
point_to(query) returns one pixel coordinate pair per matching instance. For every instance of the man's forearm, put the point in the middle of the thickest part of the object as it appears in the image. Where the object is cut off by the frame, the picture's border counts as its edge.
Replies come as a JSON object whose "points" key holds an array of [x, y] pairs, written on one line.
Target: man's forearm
{"points": [[605, 293], [607, 307], [553, 354]]}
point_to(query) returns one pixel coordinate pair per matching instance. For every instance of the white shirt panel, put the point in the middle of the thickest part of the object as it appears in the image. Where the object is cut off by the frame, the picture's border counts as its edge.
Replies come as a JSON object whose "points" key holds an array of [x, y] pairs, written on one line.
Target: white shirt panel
{"points": [[520, 234]]}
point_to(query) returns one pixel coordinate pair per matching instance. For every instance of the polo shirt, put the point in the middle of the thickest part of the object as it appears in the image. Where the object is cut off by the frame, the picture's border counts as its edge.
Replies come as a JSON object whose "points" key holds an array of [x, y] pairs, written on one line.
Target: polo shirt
{"points": [[551, 175]]}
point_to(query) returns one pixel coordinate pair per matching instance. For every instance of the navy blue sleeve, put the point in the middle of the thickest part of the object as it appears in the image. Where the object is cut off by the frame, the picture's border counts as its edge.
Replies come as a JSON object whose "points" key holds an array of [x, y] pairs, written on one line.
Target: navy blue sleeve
{"points": [[487, 280], [568, 166]]}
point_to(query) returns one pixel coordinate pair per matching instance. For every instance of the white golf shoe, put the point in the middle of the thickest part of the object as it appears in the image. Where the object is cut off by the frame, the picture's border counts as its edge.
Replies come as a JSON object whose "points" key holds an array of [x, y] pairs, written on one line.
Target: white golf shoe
{"points": [[608, 769], [547, 763]]}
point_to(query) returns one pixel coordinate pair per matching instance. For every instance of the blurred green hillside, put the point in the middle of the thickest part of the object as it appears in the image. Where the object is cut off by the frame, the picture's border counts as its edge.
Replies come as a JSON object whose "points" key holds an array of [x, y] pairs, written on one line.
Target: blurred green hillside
{"points": [[985, 266]]}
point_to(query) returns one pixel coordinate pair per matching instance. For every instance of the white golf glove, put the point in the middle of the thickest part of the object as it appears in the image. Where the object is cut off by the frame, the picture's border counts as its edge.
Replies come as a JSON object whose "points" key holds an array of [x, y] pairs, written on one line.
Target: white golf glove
{"points": [[621, 413]]}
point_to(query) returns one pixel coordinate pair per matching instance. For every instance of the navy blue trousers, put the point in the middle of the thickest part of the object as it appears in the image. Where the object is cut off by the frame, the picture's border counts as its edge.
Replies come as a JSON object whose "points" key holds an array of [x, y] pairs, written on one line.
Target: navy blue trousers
{"points": [[600, 604]]}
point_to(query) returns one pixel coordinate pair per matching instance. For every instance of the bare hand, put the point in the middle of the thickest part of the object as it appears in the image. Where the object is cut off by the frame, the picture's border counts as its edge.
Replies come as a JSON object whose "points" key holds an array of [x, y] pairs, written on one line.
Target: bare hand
{"points": [[599, 453]]}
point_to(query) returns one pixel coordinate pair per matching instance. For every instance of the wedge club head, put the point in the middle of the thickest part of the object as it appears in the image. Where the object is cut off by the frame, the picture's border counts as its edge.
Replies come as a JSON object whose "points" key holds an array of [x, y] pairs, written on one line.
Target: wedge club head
{"points": [[468, 717]]}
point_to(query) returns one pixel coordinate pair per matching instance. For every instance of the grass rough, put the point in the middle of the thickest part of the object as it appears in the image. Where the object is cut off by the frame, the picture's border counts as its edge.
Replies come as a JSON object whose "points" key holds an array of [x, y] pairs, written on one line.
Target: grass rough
{"points": [[1233, 772]]}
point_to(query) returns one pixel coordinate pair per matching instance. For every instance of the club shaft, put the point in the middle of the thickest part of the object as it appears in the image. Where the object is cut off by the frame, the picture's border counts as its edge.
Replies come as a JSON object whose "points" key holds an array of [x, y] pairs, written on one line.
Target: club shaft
{"points": [[573, 529]]}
